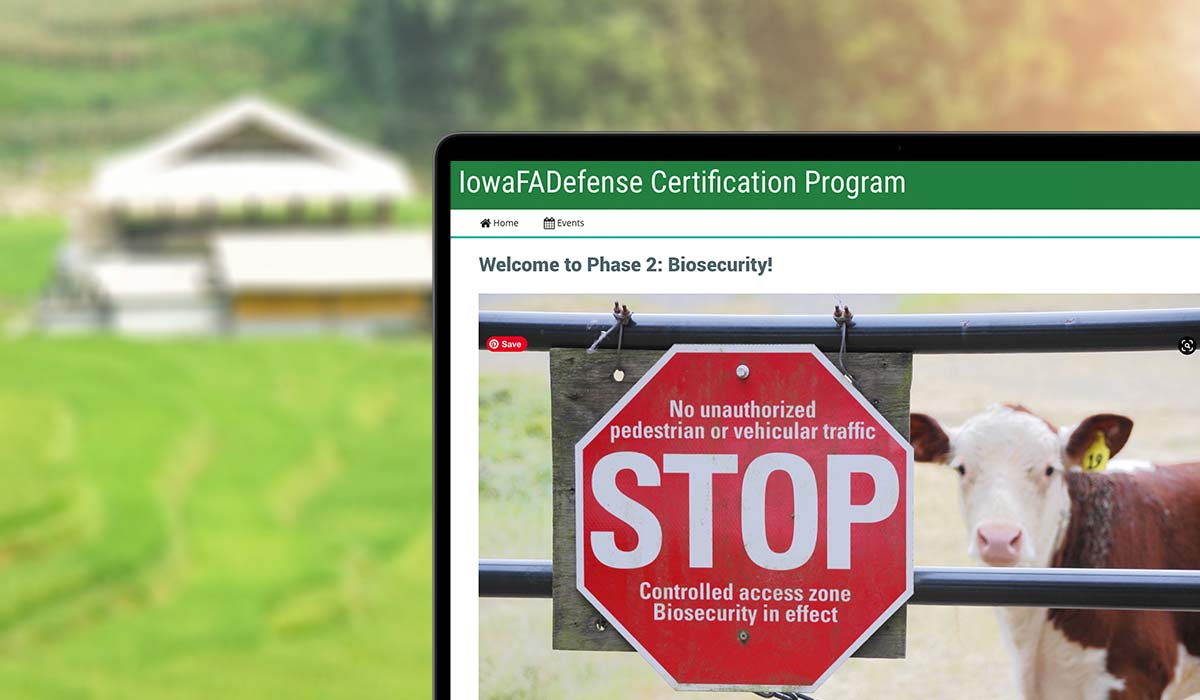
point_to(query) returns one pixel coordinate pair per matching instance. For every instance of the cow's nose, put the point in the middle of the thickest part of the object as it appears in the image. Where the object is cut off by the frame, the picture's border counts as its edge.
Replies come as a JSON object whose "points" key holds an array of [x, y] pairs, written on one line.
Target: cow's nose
{"points": [[999, 545]]}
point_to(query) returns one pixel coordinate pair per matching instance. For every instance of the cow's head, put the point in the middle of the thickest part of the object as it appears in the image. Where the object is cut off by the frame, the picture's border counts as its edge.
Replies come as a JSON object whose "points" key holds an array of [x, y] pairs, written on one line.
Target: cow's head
{"points": [[1010, 465]]}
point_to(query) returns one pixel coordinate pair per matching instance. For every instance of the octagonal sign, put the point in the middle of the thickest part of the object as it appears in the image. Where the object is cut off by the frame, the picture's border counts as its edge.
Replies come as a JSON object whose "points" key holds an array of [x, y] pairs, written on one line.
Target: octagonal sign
{"points": [[744, 517]]}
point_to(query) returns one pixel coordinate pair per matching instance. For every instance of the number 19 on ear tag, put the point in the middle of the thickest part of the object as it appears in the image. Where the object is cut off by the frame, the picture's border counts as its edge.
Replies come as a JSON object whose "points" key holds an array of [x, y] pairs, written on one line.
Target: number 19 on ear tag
{"points": [[1096, 457]]}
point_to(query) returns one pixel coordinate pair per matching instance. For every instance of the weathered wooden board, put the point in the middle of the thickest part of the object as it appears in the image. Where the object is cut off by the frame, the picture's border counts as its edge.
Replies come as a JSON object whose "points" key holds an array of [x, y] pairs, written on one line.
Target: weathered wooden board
{"points": [[582, 389]]}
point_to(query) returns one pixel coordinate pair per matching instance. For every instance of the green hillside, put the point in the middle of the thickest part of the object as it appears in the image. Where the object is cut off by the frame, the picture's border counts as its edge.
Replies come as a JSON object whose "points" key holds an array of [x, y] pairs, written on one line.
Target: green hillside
{"points": [[201, 519], [27, 248], [80, 79], [233, 518]]}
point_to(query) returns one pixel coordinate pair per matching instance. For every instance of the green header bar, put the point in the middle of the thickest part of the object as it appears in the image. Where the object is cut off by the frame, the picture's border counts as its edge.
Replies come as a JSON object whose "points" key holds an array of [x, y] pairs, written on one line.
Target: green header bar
{"points": [[825, 185]]}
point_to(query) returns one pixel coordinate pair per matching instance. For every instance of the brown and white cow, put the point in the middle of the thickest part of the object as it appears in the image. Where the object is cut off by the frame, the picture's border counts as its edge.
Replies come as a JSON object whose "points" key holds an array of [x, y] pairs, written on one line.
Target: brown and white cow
{"points": [[1026, 502]]}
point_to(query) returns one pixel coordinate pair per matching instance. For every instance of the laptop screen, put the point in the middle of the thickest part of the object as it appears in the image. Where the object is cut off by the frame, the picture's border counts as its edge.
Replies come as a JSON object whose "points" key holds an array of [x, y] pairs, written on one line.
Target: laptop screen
{"points": [[584, 280]]}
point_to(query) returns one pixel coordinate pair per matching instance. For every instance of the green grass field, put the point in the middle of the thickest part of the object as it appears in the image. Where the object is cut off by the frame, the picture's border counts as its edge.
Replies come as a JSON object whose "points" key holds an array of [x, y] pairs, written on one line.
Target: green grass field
{"points": [[27, 246], [244, 519], [210, 518]]}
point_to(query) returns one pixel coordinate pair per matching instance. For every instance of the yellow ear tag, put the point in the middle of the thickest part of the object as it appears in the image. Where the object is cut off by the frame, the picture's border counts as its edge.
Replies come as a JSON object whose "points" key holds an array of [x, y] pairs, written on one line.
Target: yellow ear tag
{"points": [[1096, 457]]}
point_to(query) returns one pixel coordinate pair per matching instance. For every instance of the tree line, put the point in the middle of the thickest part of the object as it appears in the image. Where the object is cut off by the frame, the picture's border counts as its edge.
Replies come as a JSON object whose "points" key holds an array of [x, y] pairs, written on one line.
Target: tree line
{"points": [[414, 70]]}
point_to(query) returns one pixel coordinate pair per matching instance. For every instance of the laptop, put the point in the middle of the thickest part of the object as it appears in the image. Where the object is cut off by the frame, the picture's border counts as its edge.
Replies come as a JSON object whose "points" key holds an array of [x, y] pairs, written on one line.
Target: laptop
{"points": [[675, 375]]}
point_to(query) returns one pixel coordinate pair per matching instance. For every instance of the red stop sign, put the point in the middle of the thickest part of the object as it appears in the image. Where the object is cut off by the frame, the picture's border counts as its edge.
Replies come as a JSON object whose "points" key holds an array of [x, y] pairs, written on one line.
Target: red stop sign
{"points": [[744, 517]]}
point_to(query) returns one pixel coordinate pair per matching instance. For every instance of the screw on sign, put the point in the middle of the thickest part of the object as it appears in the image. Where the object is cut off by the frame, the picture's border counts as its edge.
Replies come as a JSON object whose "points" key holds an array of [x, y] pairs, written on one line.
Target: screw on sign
{"points": [[744, 517]]}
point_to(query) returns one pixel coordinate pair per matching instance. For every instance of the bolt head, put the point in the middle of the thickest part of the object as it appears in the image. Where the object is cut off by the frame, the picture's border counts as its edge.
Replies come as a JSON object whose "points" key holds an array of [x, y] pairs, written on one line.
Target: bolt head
{"points": [[743, 371]]}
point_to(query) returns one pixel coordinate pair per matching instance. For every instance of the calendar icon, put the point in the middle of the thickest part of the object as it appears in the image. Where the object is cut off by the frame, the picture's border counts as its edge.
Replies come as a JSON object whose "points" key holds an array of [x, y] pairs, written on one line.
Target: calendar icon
{"points": [[548, 223]]}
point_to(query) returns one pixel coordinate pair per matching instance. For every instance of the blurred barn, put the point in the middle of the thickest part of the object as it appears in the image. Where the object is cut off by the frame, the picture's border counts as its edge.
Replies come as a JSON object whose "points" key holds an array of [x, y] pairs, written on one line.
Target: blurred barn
{"points": [[250, 219]]}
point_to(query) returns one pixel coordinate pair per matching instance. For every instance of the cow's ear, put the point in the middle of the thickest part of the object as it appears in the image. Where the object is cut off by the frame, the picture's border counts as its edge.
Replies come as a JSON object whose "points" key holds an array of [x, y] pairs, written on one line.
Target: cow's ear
{"points": [[930, 443], [1115, 428]]}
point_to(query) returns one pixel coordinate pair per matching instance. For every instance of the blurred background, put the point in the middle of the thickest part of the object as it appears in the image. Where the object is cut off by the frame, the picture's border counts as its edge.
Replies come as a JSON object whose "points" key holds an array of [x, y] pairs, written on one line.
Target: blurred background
{"points": [[215, 400]]}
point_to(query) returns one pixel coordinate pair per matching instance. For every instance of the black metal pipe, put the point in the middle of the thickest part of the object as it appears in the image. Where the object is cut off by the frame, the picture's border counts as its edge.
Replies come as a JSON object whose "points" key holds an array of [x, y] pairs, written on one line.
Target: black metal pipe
{"points": [[1068, 331], [514, 578], [1124, 589]]}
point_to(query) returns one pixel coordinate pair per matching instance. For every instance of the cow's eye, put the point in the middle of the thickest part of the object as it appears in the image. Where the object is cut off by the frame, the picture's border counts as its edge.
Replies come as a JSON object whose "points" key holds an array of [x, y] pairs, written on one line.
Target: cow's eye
{"points": [[1049, 470], [961, 470]]}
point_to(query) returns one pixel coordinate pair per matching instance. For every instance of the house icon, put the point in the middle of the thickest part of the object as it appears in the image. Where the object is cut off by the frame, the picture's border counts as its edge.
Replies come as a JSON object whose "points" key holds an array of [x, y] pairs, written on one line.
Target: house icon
{"points": [[486, 223]]}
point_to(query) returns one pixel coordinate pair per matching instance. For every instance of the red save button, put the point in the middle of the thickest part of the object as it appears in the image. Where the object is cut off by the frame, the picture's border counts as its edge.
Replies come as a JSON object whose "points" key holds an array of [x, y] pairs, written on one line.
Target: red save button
{"points": [[507, 343]]}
